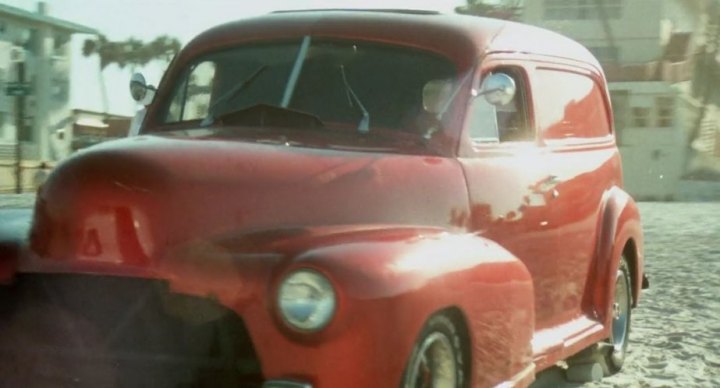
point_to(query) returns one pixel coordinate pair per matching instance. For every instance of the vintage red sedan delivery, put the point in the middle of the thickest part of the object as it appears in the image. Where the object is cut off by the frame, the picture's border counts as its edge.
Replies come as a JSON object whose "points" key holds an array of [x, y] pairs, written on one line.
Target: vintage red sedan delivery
{"points": [[338, 199]]}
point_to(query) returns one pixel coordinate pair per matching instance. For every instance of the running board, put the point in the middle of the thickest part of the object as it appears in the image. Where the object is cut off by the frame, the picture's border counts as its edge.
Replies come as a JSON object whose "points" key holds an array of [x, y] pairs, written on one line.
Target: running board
{"points": [[553, 344], [522, 379]]}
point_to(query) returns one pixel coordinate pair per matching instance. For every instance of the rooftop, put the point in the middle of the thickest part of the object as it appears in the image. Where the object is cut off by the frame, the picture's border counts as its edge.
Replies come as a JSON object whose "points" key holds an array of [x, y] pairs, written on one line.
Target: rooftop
{"points": [[42, 18]]}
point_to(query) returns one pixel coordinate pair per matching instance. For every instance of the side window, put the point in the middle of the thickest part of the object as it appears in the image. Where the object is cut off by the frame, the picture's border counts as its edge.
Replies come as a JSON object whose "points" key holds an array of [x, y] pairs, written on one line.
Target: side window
{"points": [[505, 123], [192, 98], [483, 121], [572, 107]]}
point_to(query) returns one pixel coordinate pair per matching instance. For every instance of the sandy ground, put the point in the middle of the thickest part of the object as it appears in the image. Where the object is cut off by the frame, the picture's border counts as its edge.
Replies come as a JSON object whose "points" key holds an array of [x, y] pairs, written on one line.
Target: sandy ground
{"points": [[675, 339]]}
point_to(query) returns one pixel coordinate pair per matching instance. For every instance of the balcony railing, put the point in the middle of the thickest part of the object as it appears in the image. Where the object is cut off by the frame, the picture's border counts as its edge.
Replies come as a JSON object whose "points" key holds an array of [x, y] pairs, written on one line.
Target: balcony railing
{"points": [[667, 71]]}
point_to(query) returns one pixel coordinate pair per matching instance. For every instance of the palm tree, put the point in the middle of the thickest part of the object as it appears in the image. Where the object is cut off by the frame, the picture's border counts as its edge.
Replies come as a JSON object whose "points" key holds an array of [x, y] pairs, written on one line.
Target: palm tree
{"points": [[706, 76], [508, 10], [131, 52]]}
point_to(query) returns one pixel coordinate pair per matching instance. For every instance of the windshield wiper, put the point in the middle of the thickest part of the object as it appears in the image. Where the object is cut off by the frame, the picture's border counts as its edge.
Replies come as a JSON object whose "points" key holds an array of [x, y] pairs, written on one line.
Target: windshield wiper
{"points": [[210, 118], [364, 126]]}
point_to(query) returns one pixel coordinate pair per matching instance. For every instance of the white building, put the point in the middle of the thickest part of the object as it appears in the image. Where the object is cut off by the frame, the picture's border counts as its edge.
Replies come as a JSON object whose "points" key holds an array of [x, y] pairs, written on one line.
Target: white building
{"points": [[647, 48], [45, 41]]}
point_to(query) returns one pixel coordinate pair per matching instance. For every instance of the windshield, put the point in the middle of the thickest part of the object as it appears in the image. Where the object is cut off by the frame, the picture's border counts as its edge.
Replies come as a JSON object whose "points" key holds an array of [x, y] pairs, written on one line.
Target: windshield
{"points": [[344, 84]]}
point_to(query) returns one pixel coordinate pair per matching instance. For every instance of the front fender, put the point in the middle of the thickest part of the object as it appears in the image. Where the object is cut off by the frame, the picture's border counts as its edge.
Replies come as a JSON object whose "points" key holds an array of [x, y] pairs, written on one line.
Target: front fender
{"points": [[390, 281]]}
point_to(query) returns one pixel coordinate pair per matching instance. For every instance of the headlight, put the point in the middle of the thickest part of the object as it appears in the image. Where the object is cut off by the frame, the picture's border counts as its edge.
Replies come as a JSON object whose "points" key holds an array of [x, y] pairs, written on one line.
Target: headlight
{"points": [[306, 300]]}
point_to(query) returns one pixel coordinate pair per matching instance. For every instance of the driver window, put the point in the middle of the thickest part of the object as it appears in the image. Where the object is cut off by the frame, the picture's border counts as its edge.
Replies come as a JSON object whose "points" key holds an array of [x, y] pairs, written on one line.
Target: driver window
{"points": [[192, 99], [483, 121], [490, 123]]}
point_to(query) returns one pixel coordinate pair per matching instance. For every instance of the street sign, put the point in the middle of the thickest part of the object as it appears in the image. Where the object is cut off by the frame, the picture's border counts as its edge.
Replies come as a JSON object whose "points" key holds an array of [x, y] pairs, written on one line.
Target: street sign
{"points": [[17, 89]]}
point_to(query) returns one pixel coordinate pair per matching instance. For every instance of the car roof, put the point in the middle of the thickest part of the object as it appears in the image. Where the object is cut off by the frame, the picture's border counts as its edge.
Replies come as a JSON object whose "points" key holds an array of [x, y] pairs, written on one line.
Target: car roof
{"points": [[461, 37]]}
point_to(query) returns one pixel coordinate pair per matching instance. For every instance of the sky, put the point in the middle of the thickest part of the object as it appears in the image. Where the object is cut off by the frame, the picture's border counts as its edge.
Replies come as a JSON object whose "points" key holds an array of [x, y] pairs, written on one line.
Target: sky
{"points": [[183, 19]]}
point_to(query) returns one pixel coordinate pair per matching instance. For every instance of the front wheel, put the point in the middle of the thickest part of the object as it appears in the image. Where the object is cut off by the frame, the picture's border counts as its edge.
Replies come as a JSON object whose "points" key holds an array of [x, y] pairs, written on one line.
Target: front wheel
{"points": [[437, 359], [621, 312]]}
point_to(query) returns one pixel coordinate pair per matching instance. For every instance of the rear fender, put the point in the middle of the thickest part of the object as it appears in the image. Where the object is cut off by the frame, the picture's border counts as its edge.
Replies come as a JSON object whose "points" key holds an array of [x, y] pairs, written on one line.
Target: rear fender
{"points": [[619, 225]]}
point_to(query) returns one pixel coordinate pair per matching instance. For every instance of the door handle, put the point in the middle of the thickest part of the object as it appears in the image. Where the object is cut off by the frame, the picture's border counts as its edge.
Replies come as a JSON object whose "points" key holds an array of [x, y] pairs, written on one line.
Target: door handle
{"points": [[552, 179], [547, 184]]}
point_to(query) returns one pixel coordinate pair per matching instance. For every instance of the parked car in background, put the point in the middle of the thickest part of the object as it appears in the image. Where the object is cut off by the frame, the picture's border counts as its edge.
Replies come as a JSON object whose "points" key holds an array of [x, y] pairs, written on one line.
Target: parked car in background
{"points": [[339, 199]]}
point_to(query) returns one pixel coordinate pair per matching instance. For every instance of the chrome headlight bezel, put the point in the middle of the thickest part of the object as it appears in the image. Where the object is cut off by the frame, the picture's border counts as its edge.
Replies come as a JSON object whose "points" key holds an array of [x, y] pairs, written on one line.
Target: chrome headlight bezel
{"points": [[314, 303]]}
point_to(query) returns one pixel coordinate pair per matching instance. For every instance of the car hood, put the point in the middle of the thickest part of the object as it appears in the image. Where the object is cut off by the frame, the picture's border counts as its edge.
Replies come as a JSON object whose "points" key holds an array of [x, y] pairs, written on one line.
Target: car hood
{"points": [[135, 202]]}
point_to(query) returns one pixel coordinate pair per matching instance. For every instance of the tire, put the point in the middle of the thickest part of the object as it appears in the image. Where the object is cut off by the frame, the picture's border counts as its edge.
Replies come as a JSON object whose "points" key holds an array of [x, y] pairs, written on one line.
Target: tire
{"points": [[438, 359], [621, 311]]}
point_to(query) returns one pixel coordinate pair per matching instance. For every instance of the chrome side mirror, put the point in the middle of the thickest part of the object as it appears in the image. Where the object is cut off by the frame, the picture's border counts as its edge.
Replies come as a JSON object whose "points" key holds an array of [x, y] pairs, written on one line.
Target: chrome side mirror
{"points": [[138, 88], [140, 91], [498, 89]]}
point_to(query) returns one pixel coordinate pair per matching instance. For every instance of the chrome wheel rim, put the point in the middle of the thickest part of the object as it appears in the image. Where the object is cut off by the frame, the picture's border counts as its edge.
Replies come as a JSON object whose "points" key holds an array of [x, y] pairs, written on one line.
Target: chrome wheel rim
{"points": [[620, 318], [435, 364]]}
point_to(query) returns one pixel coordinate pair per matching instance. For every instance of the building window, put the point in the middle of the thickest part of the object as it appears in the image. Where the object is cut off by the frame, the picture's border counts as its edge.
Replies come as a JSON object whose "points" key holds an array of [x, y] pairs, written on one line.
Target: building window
{"points": [[664, 106], [559, 10], [641, 117], [612, 8], [582, 9]]}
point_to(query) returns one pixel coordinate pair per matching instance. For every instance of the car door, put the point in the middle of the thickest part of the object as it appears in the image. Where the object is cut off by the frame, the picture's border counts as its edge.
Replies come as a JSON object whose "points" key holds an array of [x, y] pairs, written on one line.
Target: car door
{"points": [[574, 124], [506, 168]]}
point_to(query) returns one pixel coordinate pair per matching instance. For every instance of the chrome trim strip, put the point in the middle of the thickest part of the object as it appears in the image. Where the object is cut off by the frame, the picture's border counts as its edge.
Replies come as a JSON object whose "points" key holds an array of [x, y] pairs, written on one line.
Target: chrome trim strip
{"points": [[285, 384]]}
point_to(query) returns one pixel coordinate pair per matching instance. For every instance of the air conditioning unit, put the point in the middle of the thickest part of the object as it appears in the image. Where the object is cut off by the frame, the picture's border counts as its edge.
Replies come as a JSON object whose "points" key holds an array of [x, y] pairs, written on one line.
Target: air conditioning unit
{"points": [[17, 54], [10, 54]]}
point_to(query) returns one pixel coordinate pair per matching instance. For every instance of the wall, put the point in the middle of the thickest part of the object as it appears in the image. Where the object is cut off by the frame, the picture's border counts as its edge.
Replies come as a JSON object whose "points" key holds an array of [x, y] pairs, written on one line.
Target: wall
{"points": [[636, 31], [654, 153], [48, 70]]}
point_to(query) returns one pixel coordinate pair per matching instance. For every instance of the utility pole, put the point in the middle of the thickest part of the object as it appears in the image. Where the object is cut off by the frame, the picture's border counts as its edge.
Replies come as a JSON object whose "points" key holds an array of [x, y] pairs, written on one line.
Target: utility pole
{"points": [[19, 125], [606, 24], [707, 65], [18, 89]]}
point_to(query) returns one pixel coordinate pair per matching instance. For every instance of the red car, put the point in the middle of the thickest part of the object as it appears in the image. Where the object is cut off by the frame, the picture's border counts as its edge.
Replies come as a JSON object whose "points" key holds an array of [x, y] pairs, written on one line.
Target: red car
{"points": [[338, 199]]}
